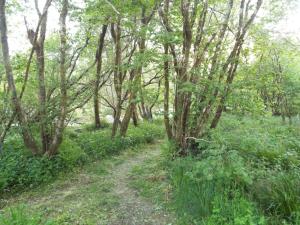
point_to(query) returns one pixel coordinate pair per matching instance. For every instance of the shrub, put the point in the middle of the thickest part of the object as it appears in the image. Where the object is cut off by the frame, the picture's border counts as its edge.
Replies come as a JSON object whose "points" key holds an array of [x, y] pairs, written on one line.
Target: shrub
{"points": [[71, 153], [91, 127], [20, 169], [98, 144]]}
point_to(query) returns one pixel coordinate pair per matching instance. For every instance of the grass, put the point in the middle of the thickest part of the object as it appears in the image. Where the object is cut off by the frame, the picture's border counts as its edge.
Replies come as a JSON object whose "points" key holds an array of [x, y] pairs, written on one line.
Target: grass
{"points": [[83, 197], [150, 179], [246, 172]]}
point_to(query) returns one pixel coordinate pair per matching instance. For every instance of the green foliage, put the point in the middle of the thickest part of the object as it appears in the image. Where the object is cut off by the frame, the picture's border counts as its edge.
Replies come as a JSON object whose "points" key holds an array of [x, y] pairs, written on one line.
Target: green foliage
{"points": [[263, 140], [198, 183], [234, 210], [98, 144], [19, 216], [20, 169], [71, 153], [243, 165], [279, 195]]}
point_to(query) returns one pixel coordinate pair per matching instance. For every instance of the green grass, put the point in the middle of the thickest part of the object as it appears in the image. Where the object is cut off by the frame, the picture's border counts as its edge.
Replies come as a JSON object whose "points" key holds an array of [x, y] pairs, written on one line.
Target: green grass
{"points": [[151, 180], [83, 196], [245, 172]]}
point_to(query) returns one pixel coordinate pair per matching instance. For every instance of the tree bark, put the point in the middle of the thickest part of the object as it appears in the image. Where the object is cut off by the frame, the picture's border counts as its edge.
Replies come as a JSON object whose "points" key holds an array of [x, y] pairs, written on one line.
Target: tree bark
{"points": [[98, 76], [60, 125], [26, 133], [167, 94], [116, 34]]}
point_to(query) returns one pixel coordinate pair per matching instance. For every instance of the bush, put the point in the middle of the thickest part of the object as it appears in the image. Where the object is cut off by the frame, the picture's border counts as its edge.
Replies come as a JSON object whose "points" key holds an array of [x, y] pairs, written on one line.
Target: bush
{"points": [[19, 168], [71, 153], [263, 141], [91, 127]]}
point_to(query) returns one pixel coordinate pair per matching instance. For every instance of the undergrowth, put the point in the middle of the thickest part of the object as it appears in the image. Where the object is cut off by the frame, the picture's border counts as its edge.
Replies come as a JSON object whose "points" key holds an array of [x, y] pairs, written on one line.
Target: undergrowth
{"points": [[20, 170], [245, 172]]}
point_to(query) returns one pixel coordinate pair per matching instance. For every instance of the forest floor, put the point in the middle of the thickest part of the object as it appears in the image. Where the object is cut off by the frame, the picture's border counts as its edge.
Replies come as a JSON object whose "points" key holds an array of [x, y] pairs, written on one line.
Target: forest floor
{"points": [[129, 189]]}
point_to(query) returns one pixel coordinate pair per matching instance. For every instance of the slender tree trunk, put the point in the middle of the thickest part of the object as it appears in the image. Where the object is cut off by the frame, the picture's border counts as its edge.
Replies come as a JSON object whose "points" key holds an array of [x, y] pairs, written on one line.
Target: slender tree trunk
{"points": [[43, 120], [116, 33], [58, 135], [26, 133], [166, 94], [98, 76]]}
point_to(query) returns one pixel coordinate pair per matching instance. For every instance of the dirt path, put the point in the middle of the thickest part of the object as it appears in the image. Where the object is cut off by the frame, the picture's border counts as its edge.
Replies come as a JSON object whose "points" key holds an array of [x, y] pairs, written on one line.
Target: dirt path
{"points": [[98, 194], [133, 209]]}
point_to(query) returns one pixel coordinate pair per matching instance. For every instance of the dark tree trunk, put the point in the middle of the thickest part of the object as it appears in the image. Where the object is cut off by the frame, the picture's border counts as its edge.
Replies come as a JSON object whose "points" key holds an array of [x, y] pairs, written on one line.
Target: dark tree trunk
{"points": [[98, 76], [166, 94]]}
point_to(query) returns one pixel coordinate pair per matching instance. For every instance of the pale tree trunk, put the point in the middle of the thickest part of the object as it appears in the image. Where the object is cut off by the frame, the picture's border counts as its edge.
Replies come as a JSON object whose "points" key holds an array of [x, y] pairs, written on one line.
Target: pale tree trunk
{"points": [[26, 133], [98, 76], [60, 125], [116, 34], [43, 118]]}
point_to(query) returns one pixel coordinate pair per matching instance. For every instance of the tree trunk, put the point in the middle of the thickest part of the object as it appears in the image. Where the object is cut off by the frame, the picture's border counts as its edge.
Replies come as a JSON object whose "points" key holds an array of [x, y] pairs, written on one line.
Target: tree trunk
{"points": [[135, 118], [60, 125], [43, 120], [166, 94], [98, 76], [26, 133], [116, 33], [127, 116]]}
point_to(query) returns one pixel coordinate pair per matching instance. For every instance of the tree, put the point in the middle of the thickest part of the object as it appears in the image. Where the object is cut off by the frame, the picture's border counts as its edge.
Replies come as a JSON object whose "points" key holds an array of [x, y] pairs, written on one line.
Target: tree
{"points": [[206, 63], [49, 145]]}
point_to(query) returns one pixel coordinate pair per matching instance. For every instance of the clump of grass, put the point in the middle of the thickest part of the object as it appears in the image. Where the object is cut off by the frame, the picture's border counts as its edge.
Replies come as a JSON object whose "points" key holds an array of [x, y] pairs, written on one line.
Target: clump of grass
{"points": [[19, 216]]}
